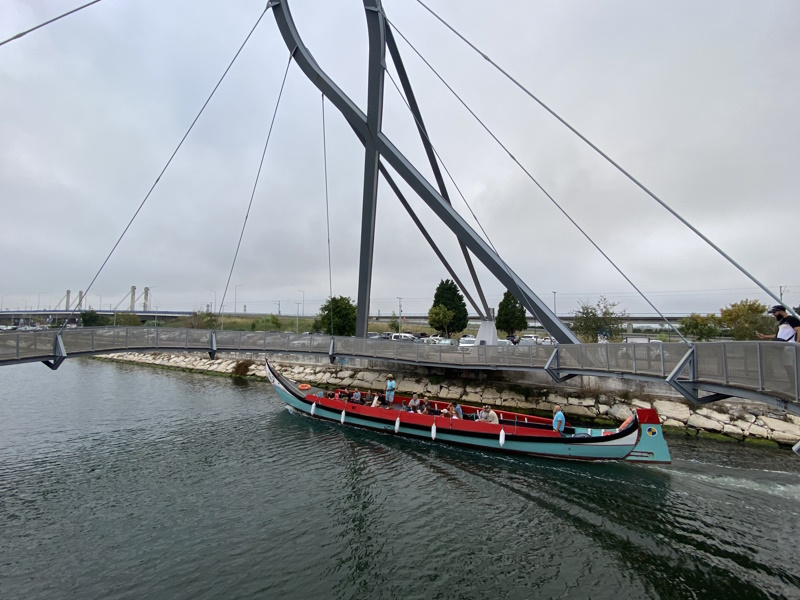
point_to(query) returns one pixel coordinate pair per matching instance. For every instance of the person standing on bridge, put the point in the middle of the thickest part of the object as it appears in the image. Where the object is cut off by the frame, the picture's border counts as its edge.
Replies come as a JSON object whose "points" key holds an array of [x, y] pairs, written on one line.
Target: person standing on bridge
{"points": [[788, 326], [788, 331]]}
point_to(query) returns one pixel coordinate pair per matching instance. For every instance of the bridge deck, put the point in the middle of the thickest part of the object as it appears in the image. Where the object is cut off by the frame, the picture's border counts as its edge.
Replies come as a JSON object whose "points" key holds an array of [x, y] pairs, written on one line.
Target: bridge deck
{"points": [[763, 371]]}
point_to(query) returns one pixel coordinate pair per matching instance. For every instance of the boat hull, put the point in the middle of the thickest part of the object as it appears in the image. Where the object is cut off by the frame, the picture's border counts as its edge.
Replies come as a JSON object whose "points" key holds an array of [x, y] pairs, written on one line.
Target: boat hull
{"points": [[516, 438]]}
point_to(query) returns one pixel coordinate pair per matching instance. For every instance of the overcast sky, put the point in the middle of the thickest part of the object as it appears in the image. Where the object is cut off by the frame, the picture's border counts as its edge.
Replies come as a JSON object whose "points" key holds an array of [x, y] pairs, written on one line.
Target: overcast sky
{"points": [[698, 100]]}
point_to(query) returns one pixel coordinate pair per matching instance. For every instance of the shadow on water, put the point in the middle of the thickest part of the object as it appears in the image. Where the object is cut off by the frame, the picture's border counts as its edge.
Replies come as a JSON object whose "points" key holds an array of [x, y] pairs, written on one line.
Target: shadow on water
{"points": [[676, 538]]}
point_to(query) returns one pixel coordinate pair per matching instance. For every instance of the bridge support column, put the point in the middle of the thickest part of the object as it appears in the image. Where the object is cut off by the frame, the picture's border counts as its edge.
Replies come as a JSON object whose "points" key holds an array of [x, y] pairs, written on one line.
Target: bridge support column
{"points": [[59, 353], [685, 388], [212, 353]]}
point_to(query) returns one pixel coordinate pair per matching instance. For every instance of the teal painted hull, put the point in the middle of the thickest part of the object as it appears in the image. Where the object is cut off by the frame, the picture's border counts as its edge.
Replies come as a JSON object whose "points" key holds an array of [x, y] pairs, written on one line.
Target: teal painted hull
{"points": [[643, 443]]}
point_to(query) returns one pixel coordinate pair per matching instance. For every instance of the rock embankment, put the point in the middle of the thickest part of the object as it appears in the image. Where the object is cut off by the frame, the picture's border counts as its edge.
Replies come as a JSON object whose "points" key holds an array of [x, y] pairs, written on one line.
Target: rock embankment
{"points": [[734, 420]]}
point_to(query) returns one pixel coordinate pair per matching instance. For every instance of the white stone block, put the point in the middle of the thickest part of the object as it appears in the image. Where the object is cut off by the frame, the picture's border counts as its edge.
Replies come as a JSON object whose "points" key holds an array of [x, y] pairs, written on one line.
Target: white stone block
{"points": [[474, 398], [713, 414], [509, 395], [732, 431], [620, 412], [673, 423], [782, 426], [579, 411], [756, 431], [785, 438], [585, 402], [672, 410], [701, 422], [433, 390], [640, 403], [407, 387]]}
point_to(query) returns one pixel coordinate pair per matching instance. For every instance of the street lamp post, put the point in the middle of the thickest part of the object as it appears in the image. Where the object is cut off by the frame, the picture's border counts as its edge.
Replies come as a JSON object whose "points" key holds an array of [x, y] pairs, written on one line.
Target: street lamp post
{"points": [[235, 290], [554, 304], [38, 299], [297, 319], [278, 302], [400, 310], [215, 299], [304, 302], [222, 317]]}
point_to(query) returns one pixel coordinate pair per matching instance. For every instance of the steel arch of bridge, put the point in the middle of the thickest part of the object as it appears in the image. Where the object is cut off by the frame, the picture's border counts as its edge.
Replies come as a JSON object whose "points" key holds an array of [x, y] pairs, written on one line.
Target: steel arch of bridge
{"points": [[377, 146]]}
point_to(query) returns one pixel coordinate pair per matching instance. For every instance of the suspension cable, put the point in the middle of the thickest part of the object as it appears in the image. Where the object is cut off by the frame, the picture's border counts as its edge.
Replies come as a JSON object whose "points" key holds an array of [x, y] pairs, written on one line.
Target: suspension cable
{"points": [[66, 14], [178, 147], [544, 191], [255, 185], [327, 209], [607, 157]]}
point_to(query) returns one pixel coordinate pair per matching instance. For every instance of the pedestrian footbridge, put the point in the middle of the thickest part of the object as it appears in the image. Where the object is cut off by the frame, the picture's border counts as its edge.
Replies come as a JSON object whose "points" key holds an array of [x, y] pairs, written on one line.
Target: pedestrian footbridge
{"points": [[702, 372]]}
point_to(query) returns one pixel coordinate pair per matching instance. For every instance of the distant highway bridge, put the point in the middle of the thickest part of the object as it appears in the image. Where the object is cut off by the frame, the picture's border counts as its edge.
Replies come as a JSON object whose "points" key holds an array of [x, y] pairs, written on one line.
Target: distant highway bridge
{"points": [[421, 320]]}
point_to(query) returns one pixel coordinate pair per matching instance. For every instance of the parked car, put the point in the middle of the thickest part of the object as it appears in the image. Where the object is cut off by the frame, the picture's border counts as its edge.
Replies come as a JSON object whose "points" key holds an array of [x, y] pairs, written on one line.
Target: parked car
{"points": [[403, 337], [466, 342]]}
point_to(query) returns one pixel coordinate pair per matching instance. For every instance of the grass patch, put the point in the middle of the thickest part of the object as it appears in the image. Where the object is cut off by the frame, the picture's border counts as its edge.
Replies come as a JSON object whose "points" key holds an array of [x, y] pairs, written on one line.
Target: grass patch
{"points": [[717, 437], [761, 442]]}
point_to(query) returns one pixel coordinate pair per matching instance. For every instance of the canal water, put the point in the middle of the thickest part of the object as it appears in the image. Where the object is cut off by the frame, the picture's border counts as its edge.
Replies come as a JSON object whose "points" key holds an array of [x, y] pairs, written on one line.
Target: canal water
{"points": [[121, 481]]}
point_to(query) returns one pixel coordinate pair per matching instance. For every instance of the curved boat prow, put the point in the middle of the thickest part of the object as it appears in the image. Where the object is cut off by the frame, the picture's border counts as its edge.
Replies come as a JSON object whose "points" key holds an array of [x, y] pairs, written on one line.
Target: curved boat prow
{"points": [[651, 447]]}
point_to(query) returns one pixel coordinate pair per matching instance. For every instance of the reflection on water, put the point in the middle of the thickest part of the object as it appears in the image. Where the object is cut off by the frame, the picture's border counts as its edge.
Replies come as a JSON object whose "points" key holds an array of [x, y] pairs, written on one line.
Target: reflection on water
{"points": [[126, 482]]}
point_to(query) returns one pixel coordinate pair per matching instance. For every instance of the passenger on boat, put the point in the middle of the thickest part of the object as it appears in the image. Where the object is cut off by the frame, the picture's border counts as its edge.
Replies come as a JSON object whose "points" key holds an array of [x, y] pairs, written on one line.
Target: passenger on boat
{"points": [[390, 387], [428, 408], [380, 400], [413, 404], [558, 419], [356, 396], [450, 411], [345, 394], [336, 395], [457, 407], [487, 415]]}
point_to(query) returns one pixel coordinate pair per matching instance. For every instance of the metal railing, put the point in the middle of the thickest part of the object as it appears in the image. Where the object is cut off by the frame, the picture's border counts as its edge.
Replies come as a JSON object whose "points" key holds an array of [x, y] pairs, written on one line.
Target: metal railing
{"points": [[765, 367]]}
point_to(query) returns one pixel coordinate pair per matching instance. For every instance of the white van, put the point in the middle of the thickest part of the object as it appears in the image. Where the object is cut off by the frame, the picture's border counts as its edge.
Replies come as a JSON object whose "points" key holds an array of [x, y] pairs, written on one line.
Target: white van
{"points": [[403, 337]]}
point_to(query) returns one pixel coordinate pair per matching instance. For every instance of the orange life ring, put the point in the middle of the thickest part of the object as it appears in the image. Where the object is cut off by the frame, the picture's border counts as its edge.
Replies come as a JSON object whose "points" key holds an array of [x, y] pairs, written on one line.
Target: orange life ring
{"points": [[303, 386], [626, 422]]}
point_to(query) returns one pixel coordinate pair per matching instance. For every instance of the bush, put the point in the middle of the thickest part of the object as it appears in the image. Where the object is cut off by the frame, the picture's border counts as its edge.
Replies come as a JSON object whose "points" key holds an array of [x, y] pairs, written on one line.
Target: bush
{"points": [[242, 368]]}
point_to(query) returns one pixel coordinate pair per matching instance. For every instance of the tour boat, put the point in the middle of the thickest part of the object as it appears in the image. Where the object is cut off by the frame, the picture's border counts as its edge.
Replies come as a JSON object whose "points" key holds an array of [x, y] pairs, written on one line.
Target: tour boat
{"points": [[640, 439]]}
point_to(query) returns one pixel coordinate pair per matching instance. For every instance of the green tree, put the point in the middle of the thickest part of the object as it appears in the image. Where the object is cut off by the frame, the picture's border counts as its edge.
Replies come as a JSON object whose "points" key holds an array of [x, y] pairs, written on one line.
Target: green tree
{"points": [[447, 295], [90, 318], [440, 317], [394, 325], [700, 327], [600, 321], [201, 320], [127, 319], [270, 323], [344, 313], [511, 315], [745, 318]]}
